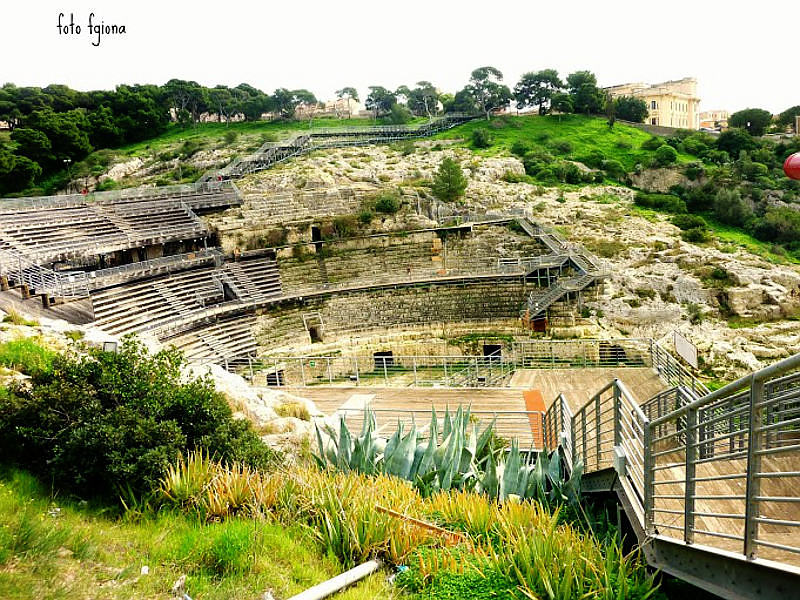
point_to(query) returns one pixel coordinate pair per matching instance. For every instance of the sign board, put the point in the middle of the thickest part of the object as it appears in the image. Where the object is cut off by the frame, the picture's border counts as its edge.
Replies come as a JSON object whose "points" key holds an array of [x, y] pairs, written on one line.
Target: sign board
{"points": [[685, 349]]}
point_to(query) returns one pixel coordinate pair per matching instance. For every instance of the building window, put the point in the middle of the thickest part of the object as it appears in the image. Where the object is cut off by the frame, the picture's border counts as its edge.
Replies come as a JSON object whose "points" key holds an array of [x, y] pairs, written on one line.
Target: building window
{"points": [[653, 121], [653, 105]]}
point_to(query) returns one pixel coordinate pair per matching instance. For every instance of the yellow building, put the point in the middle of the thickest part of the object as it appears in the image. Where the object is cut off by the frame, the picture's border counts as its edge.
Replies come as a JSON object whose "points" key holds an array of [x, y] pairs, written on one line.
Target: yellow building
{"points": [[713, 119], [669, 104]]}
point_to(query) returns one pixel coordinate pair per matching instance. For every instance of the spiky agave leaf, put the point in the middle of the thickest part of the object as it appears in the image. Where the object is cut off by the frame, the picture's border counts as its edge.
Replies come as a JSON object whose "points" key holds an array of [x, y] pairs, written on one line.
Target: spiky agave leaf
{"points": [[400, 461], [511, 471], [489, 483], [345, 446]]}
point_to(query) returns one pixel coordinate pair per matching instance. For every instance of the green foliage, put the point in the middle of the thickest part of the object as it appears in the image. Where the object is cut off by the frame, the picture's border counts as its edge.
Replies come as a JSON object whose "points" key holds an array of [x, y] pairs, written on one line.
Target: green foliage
{"points": [[731, 208], [85, 548], [754, 120], [734, 140], [780, 224], [388, 203], [399, 115], [631, 109], [561, 147], [665, 155], [689, 221], [345, 226], [100, 422], [613, 169], [27, 355], [519, 148], [654, 143], [664, 202], [481, 138], [449, 182]]}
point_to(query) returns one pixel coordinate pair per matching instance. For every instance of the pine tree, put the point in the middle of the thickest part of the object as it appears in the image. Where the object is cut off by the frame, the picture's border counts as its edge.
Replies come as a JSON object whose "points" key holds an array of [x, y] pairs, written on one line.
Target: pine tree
{"points": [[449, 181]]}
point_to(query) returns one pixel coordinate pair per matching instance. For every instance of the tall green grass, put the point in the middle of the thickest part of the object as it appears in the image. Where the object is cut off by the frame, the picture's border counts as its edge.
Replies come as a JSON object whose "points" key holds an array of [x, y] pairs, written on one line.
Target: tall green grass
{"points": [[27, 355], [55, 547]]}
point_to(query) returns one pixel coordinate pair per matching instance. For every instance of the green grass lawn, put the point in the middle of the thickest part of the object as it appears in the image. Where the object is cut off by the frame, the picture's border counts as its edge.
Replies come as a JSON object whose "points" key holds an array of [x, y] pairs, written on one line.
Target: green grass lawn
{"points": [[214, 132], [53, 548], [583, 133]]}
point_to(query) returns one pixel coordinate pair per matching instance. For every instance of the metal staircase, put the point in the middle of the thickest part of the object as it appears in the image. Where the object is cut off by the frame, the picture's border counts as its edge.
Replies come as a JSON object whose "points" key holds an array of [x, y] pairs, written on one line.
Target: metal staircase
{"points": [[539, 302], [708, 482]]}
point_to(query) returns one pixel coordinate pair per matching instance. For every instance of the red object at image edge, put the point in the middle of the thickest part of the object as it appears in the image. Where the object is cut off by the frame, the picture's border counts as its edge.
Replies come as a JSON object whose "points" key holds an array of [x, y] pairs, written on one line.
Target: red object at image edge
{"points": [[792, 166]]}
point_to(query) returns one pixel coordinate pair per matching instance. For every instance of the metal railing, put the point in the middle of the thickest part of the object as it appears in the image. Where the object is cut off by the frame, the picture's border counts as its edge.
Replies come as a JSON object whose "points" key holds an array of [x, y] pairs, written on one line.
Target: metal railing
{"points": [[558, 427], [719, 470], [20, 270], [367, 370], [672, 372], [561, 354], [722, 469], [110, 196]]}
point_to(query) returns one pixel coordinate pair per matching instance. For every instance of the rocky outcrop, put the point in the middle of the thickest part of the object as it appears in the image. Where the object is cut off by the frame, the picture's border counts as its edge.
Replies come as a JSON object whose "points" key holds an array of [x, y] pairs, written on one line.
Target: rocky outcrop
{"points": [[659, 180]]}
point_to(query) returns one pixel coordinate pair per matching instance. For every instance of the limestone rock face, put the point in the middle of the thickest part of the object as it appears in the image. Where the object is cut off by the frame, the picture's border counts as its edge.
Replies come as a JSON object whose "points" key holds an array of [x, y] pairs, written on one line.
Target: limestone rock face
{"points": [[123, 169], [659, 180]]}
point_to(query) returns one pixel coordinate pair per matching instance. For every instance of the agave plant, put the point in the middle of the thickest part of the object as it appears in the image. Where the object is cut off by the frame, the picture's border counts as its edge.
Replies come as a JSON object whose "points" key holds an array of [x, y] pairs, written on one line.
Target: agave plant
{"points": [[429, 464], [537, 475]]}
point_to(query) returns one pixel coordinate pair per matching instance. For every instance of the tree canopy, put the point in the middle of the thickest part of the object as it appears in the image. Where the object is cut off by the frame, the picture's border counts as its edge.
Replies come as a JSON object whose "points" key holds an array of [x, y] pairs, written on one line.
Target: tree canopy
{"points": [[537, 89], [486, 91], [754, 120]]}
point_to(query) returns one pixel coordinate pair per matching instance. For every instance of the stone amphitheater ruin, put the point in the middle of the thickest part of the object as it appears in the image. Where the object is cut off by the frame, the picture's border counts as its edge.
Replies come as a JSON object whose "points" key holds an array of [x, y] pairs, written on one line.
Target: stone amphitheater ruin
{"points": [[440, 307]]}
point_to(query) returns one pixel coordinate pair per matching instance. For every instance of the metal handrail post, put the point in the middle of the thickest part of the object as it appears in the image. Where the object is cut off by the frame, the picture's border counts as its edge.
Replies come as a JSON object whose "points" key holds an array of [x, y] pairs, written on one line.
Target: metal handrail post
{"points": [[647, 493], [597, 435], [754, 445], [689, 484], [617, 412]]}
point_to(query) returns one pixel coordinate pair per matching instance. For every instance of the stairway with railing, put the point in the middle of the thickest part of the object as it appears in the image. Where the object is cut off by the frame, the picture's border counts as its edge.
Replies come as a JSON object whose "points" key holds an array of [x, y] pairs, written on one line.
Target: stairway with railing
{"points": [[272, 153], [708, 480]]}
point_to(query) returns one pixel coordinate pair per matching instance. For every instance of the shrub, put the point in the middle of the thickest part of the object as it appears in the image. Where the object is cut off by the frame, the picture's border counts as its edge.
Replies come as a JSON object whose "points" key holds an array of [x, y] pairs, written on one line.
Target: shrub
{"points": [[780, 224], [365, 216], [230, 137], [519, 148], [698, 144], [388, 203], [613, 169], [665, 155], [688, 221], [694, 171], [696, 235], [105, 185], [399, 114], [345, 226], [654, 143], [561, 147], [664, 202], [753, 170], [593, 159], [101, 422], [731, 208], [481, 138], [511, 177]]}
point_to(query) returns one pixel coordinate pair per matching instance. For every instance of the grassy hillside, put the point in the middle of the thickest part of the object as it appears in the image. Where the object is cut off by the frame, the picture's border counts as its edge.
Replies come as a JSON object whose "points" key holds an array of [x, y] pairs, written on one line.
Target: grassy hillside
{"points": [[253, 133], [571, 136], [51, 547]]}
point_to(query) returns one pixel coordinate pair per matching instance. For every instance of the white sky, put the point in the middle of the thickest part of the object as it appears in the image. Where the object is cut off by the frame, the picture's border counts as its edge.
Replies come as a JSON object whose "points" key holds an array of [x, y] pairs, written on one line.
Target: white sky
{"points": [[739, 51]]}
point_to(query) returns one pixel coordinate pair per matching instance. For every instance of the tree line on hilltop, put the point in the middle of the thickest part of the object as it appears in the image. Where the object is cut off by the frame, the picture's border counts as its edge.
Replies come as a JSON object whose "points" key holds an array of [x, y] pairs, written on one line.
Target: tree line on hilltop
{"points": [[56, 126]]}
